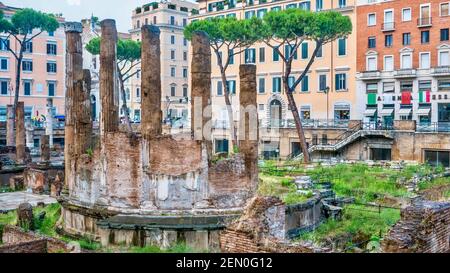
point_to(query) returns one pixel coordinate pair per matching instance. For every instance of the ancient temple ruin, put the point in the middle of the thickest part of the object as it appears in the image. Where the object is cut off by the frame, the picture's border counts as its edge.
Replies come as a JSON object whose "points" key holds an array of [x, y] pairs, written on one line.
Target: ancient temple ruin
{"points": [[145, 187]]}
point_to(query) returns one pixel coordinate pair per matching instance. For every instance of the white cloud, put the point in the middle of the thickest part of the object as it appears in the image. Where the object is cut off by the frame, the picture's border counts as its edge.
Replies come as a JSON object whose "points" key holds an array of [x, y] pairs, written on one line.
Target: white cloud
{"points": [[74, 2]]}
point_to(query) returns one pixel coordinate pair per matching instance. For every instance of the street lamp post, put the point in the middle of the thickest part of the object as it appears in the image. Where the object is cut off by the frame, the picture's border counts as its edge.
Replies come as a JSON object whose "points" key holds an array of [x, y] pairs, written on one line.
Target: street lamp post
{"points": [[327, 91]]}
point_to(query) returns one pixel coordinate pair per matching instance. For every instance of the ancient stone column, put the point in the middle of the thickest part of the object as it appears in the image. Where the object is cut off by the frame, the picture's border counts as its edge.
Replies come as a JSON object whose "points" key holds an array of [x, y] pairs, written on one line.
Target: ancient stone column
{"points": [[109, 93], [45, 148], [248, 124], [20, 133], [74, 87], [201, 87], [10, 136], [151, 117], [83, 123], [49, 121]]}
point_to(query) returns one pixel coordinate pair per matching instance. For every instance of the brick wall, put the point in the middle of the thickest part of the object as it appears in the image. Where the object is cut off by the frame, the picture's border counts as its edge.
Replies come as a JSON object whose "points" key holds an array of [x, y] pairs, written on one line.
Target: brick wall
{"points": [[232, 241], [423, 228]]}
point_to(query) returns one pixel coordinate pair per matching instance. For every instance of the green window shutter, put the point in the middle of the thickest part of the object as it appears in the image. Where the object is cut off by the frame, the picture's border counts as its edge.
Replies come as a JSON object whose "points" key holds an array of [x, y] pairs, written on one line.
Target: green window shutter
{"points": [[305, 84], [421, 96], [342, 47], [372, 98], [305, 50], [276, 56]]}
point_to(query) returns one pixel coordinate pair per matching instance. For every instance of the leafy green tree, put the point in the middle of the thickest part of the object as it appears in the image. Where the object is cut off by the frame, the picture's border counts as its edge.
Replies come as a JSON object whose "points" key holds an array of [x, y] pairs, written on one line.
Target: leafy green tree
{"points": [[21, 27], [289, 29], [128, 57], [228, 37]]}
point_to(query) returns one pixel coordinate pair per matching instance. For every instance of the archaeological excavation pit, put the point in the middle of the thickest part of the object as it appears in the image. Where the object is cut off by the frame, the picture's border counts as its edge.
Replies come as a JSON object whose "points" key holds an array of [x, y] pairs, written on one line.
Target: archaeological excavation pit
{"points": [[145, 188]]}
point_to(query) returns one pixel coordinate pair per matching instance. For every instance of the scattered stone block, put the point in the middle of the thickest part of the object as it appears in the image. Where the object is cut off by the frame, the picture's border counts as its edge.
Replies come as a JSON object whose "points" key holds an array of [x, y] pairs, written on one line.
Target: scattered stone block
{"points": [[25, 216], [16, 183]]}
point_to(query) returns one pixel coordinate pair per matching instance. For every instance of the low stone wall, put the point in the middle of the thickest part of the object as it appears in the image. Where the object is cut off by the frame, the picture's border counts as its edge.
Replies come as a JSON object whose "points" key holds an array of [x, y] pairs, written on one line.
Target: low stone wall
{"points": [[16, 238], [303, 217], [37, 246], [423, 228]]}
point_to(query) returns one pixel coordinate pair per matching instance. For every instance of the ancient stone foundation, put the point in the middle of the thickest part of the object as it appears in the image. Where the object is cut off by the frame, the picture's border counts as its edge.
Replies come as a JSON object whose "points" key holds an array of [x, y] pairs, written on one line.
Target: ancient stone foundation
{"points": [[138, 188], [423, 228]]}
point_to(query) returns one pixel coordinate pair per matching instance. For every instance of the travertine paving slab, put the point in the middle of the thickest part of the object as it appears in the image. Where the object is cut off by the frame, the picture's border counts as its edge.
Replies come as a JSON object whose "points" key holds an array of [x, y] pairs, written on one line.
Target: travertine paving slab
{"points": [[11, 200]]}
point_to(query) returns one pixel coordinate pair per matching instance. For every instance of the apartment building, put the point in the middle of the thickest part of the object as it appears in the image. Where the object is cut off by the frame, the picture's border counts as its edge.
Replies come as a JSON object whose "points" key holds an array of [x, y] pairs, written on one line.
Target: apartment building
{"points": [[403, 62], [171, 17], [333, 70], [43, 71]]}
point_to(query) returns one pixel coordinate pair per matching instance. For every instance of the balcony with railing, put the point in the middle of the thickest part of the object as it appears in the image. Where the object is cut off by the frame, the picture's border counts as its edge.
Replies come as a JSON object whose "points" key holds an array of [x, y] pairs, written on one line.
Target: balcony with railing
{"points": [[370, 75], [388, 26], [405, 73], [424, 22], [441, 71], [433, 127], [306, 123]]}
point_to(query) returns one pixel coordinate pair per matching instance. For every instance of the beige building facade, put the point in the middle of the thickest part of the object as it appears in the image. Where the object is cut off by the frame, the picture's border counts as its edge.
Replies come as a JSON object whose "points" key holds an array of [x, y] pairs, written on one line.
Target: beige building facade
{"points": [[42, 76], [334, 69], [171, 17]]}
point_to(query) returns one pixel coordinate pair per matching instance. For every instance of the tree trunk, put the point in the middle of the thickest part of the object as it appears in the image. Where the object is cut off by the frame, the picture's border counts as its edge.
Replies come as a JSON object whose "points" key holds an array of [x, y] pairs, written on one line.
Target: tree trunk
{"points": [[229, 110], [17, 87], [125, 110], [295, 113]]}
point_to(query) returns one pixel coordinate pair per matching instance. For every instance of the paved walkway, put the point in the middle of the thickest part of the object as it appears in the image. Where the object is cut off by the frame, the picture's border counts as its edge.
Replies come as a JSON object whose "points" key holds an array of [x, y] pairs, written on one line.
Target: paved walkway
{"points": [[11, 200]]}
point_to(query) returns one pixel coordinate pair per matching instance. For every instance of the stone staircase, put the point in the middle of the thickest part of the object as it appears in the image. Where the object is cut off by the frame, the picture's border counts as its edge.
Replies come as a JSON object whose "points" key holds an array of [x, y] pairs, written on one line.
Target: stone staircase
{"points": [[347, 139]]}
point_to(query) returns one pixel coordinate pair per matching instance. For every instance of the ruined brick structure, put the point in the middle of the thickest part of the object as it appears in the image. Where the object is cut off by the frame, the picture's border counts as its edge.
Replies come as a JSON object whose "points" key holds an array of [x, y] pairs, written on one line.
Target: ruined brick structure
{"points": [[119, 191], [423, 228]]}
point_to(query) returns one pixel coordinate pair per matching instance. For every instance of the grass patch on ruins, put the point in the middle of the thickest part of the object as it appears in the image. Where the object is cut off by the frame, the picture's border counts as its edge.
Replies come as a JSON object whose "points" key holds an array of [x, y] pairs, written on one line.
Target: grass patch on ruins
{"points": [[47, 225], [281, 187], [438, 182], [178, 248], [357, 221]]}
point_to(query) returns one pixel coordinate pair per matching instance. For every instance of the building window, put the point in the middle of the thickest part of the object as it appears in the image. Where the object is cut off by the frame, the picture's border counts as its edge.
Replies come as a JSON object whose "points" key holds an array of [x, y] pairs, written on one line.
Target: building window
{"points": [[444, 34], [27, 88], [4, 44], [288, 51], [261, 12], [231, 56], [51, 49], [342, 3], [319, 53], [342, 47], [249, 14], [172, 20], [276, 55], [261, 107], [51, 67], [172, 39], [276, 84], [231, 87], [444, 58], [4, 86], [425, 37], [305, 112], [28, 47], [250, 57], [4, 64], [138, 92], [319, 5], [291, 6], [185, 91], [406, 61], [444, 85], [219, 88], [372, 63], [372, 42], [406, 39], [342, 111], [172, 71], [185, 72], [425, 60], [262, 54], [173, 90], [261, 86], [388, 63], [276, 8], [445, 10], [304, 84], [341, 81], [371, 19], [184, 41], [51, 89], [406, 14], [27, 66], [184, 56], [184, 22], [322, 82], [306, 5], [388, 41], [172, 54], [304, 51], [138, 24]]}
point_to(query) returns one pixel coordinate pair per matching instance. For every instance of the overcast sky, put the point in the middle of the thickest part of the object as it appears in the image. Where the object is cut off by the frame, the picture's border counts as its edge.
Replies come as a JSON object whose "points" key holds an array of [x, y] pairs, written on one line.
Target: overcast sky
{"points": [[75, 10]]}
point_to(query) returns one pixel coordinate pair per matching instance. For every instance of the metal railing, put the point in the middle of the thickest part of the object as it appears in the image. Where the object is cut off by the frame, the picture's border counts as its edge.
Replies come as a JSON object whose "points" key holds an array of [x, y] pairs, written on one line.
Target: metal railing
{"points": [[306, 123], [425, 21], [377, 126], [433, 127], [388, 26]]}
